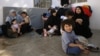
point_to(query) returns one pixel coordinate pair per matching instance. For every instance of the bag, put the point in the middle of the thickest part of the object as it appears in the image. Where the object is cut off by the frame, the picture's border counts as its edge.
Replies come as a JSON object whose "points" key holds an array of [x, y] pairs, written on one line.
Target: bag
{"points": [[73, 50], [11, 34]]}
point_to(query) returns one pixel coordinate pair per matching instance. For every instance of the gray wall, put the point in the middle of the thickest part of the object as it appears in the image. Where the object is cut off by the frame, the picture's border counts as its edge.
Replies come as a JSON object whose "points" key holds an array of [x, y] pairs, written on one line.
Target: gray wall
{"points": [[34, 13]]}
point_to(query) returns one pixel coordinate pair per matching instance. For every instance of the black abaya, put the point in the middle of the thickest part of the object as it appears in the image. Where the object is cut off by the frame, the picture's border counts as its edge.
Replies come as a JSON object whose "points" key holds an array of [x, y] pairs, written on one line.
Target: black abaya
{"points": [[83, 29]]}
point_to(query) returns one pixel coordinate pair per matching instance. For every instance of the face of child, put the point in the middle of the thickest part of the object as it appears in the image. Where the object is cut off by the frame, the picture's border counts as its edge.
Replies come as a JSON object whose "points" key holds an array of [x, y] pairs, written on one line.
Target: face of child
{"points": [[14, 22], [24, 15], [70, 17], [68, 28], [78, 10]]}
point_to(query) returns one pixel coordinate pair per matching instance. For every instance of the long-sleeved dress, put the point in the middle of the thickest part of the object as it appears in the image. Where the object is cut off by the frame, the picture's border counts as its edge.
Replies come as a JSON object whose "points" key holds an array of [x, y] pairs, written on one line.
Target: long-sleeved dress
{"points": [[52, 20], [83, 29]]}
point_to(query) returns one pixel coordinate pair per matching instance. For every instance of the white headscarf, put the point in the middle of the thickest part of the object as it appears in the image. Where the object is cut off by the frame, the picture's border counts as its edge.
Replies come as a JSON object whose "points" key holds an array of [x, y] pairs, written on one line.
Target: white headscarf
{"points": [[11, 11]]}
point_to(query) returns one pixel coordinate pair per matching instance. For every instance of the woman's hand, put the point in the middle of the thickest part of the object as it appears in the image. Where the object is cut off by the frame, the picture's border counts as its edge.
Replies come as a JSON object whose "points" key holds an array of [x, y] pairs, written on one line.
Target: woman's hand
{"points": [[79, 21], [49, 26], [21, 23], [55, 27]]}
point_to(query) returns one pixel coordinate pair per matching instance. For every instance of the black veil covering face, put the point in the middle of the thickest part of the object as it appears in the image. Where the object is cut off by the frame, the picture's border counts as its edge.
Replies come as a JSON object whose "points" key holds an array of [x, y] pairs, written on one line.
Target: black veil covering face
{"points": [[84, 29]]}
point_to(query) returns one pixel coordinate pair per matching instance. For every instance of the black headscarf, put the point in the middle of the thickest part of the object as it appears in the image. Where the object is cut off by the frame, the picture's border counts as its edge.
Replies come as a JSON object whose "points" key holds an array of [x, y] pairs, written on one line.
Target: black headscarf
{"points": [[81, 14]]}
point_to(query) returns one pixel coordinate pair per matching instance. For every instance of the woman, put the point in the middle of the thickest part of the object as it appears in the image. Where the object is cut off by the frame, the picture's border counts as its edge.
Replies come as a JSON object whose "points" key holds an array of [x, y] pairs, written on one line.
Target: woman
{"points": [[25, 25], [81, 23], [51, 24], [13, 15]]}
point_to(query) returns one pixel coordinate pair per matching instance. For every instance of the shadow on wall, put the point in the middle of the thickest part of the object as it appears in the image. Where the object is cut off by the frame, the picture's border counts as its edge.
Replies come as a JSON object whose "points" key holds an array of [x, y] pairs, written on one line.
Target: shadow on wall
{"points": [[34, 13]]}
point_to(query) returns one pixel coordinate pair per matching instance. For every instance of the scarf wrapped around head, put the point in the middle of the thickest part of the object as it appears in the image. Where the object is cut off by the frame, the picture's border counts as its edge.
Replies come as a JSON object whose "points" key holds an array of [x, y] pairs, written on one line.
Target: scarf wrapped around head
{"points": [[11, 11]]}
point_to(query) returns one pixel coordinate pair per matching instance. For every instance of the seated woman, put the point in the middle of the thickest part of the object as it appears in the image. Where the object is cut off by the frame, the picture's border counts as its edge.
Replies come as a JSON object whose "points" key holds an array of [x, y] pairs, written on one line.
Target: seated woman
{"points": [[51, 24], [15, 27], [70, 43], [81, 23], [25, 25], [13, 15]]}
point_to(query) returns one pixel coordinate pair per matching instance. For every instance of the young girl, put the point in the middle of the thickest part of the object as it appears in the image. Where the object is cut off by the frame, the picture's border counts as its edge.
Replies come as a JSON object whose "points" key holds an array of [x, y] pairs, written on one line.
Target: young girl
{"points": [[15, 27], [70, 43]]}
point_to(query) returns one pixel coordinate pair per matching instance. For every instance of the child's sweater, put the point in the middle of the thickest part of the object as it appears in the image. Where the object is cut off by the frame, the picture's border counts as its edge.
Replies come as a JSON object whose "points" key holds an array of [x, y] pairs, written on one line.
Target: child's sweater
{"points": [[67, 38]]}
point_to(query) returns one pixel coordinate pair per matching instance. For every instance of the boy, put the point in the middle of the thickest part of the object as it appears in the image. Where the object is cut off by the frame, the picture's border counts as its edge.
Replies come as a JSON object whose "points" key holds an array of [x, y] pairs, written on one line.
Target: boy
{"points": [[68, 15], [70, 43]]}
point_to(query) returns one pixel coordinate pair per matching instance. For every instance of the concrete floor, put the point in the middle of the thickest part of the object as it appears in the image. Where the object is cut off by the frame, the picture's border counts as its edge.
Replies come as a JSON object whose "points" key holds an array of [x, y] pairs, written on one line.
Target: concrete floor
{"points": [[33, 44]]}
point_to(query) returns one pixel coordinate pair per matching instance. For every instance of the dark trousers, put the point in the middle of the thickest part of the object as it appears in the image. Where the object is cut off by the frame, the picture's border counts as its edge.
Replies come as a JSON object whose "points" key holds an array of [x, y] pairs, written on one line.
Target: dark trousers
{"points": [[25, 28]]}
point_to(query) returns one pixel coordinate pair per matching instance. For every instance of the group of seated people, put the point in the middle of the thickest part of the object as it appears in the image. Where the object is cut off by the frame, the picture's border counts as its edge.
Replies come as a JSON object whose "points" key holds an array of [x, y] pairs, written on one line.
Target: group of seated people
{"points": [[72, 26], [18, 24], [52, 23], [62, 21]]}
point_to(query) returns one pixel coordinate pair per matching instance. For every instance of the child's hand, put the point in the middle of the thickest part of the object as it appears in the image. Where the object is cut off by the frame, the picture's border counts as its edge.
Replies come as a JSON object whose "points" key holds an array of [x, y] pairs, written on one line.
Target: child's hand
{"points": [[81, 47], [77, 42]]}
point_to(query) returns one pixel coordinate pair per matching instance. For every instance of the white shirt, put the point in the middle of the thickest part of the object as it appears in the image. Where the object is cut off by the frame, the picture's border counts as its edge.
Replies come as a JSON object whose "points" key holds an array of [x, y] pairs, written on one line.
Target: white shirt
{"points": [[63, 17]]}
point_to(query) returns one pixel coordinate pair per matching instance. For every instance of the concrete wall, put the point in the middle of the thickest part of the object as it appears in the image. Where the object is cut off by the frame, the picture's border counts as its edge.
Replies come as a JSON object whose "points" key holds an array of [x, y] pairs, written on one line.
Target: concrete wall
{"points": [[14, 3], [95, 18], [19, 5], [34, 14]]}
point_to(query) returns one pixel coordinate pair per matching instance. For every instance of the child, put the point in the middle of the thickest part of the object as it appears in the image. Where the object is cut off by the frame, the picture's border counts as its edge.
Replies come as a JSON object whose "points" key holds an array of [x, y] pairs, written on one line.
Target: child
{"points": [[15, 27], [70, 43], [68, 15]]}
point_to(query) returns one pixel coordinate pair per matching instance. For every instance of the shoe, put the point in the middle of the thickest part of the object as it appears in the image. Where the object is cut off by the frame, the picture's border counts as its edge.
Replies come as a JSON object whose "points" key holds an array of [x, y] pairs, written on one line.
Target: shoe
{"points": [[94, 49]]}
